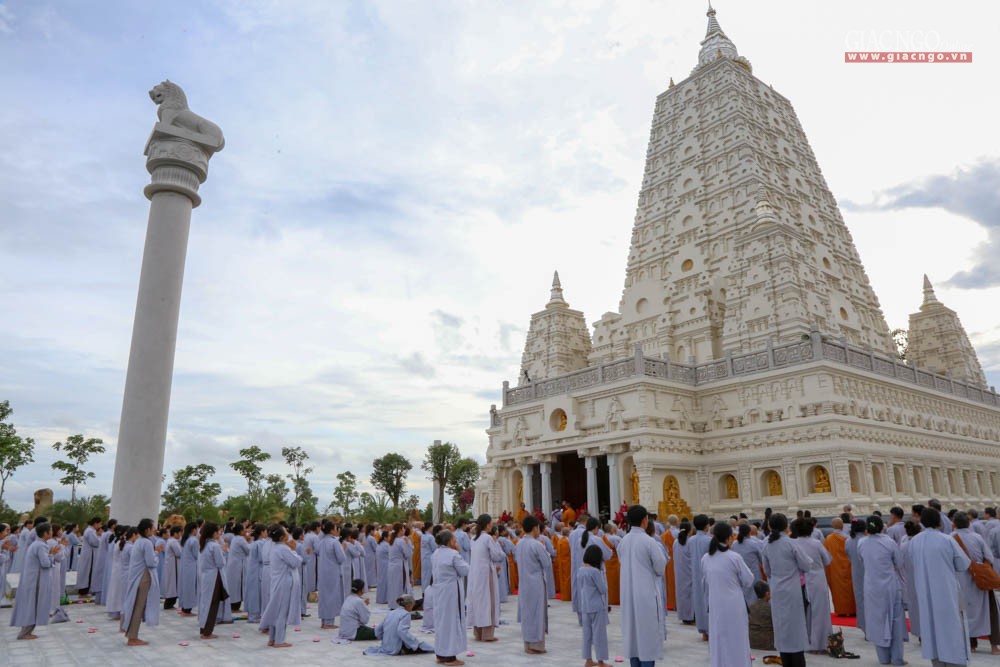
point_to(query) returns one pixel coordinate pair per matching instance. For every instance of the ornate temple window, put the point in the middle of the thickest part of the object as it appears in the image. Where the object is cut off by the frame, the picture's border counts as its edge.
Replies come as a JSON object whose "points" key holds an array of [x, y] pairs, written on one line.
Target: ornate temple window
{"points": [[729, 488], [558, 420], [771, 483], [818, 479]]}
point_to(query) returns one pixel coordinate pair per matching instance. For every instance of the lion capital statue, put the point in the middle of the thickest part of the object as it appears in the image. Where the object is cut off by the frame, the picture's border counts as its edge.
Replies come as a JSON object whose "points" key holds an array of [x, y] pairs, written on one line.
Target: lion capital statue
{"points": [[173, 111]]}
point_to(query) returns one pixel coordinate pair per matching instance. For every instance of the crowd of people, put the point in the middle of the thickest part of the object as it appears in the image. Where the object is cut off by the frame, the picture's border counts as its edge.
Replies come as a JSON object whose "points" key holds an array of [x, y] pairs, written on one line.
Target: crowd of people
{"points": [[762, 585]]}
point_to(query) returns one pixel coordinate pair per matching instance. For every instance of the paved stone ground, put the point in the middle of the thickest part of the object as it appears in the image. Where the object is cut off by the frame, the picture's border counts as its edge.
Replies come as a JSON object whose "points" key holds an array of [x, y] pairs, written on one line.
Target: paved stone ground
{"points": [[71, 644]]}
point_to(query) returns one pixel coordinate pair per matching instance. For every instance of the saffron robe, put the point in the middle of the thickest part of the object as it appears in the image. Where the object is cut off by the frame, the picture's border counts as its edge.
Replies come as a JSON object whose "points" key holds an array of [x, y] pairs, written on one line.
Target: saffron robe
{"points": [[565, 570], [613, 571], [838, 575], [668, 541]]}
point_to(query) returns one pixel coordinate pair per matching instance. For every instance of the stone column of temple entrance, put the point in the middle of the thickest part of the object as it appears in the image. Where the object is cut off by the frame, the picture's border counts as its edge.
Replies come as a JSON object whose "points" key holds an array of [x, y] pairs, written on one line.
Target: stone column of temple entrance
{"points": [[546, 470], [526, 475], [614, 484], [178, 152], [592, 506]]}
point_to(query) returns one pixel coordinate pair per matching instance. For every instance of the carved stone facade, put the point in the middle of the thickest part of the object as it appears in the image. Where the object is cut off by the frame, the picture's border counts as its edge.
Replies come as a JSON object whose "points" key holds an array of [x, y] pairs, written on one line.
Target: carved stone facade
{"points": [[749, 364]]}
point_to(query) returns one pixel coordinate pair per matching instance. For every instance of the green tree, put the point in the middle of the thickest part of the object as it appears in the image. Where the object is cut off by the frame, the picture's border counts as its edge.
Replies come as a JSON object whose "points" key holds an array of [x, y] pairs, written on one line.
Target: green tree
{"points": [[77, 451], [346, 493], [464, 476], [303, 499], [254, 504], [190, 493], [79, 512], [901, 338], [276, 490], [389, 475], [375, 507], [15, 451], [440, 459]]}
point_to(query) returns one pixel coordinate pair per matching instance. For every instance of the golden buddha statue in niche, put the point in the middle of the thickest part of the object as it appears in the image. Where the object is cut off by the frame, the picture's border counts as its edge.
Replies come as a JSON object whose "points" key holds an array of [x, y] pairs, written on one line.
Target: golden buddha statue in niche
{"points": [[822, 480], [732, 487], [774, 487], [672, 502], [635, 485]]}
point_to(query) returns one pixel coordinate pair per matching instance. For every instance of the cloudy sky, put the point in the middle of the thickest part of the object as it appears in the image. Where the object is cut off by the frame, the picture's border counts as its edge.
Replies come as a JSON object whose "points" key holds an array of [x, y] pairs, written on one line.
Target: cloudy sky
{"points": [[398, 183]]}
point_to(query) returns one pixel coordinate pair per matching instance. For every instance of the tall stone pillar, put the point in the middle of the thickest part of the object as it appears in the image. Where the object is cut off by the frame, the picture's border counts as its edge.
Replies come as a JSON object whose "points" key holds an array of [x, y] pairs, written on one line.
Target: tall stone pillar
{"points": [[591, 463], [177, 156], [614, 484], [526, 476], [546, 470]]}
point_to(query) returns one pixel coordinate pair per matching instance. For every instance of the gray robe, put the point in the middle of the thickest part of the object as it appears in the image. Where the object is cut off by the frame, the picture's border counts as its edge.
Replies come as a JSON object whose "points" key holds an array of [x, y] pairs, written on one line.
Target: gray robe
{"points": [[310, 564], [943, 632], [550, 578], [382, 565], [189, 573], [682, 581], [88, 551], [484, 582], [697, 547], [508, 549], [283, 607], [331, 582], [464, 545], [171, 568], [644, 615], [857, 576], [239, 550], [427, 549], [725, 576], [784, 565], [818, 622], [142, 560], [394, 631], [251, 591], [883, 590], [450, 570], [34, 591], [266, 546], [397, 580], [371, 560], [354, 614], [577, 549], [591, 587], [977, 602], [909, 587], [532, 598], [211, 565], [115, 590], [750, 550]]}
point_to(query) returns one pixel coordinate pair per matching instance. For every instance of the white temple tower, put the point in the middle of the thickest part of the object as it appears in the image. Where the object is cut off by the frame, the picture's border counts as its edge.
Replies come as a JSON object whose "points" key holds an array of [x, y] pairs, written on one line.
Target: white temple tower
{"points": [[558, 340], [937, 340]]}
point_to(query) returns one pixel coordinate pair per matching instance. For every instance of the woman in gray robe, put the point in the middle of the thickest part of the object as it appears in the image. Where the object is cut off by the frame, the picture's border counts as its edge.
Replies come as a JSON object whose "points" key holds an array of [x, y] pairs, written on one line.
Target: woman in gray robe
{"points": [[239, 550], [427, 548], [251, 591], [34, 590], [141, 602], [682, 575], [697, 547], [114, 592], [643, 610], [909, 580], [189, 570], [550, 578], [857, 567], [591, 589], [394, 631], [170, 581], [266, 546], [819, 624], [450, 570], [785, 566], [286, 588], [90, 543], [885, 622], [725, 576], [532, 598], [507, 546], [750, 550], [330, 581], [382, 567], [371, 557], [484, 581], [212, 590], [5, 558], [355, 615], [980, 606], [397, 582], [942, 626]]}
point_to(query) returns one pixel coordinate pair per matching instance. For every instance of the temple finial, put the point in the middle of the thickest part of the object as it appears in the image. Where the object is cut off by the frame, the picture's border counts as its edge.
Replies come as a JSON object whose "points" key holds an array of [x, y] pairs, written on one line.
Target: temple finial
{"points": [[556, 298], [930, 298]]}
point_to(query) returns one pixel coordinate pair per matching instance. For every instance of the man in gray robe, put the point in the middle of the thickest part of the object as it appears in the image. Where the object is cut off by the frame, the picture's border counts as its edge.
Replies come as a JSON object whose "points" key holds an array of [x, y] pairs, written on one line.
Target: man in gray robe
{"points": [[942, 621], [533, 567], [643, 610], [697, 546]]}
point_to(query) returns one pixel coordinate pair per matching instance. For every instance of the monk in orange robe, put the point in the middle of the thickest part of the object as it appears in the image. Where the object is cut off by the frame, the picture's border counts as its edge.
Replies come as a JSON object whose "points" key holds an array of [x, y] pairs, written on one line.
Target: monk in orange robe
{"points": [[565, 574], [612, 570], [568, 515], [556, 539], [838, 572], [668, 540], [521, 513], [512, 567], [415, 539]]}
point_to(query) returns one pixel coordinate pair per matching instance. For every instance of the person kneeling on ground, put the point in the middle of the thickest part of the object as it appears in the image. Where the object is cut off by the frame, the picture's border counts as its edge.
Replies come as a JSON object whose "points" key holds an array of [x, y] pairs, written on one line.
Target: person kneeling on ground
{"points": [[394, 631], [354, 615], [760, 623]]}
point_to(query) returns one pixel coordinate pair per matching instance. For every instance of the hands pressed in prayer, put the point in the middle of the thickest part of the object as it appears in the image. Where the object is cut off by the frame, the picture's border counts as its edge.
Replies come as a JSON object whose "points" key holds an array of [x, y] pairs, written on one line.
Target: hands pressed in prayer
{"points": [[159, 548], [291, 544], [54, 550]]}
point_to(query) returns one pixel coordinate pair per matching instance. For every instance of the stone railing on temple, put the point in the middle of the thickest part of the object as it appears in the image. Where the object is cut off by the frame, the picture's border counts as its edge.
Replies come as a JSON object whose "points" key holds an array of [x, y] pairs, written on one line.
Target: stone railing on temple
{"points": [[813, 347]]}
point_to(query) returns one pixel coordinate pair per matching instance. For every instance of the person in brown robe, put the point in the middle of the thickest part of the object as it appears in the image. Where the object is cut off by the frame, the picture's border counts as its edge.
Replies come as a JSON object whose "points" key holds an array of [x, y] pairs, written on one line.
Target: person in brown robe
{"points": [[668, 540], [838, 572], [512, 564], [565, 572], [415, 539], [612, 570], [556, 539]]}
